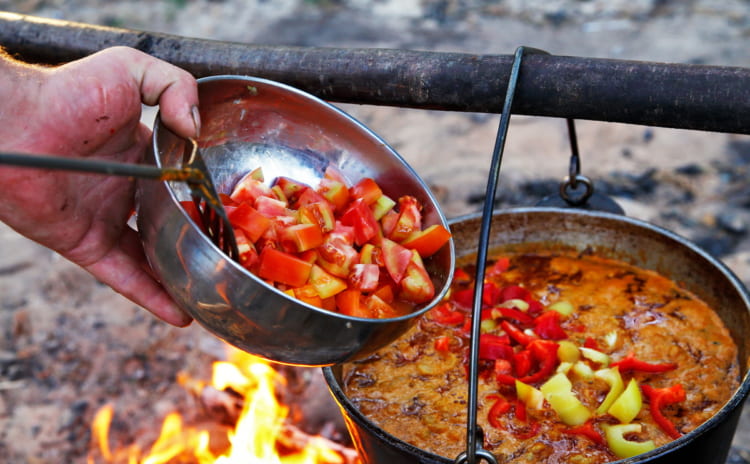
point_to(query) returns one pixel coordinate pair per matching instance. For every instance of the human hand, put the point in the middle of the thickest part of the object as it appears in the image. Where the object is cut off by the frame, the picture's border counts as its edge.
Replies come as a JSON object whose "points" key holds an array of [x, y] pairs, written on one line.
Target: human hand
{"points": [[90, 108]]}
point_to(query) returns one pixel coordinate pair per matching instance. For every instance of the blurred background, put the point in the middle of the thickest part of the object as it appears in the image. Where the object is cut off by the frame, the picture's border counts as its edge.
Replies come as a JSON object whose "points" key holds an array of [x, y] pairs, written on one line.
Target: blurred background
{"points": [[69, 345]]}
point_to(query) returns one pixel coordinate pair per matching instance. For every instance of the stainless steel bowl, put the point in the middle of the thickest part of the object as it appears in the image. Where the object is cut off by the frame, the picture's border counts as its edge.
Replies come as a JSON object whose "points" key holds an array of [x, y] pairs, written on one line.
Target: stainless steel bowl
{"points": [[250, 122]]}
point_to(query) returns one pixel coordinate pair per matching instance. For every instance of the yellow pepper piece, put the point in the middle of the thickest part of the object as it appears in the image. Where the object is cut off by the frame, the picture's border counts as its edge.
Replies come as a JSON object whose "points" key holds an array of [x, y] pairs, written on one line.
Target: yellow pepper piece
{"points": [[571, 411], [616, 386], [558, 391], [583, 370], [628, 404], [567, 351], [594, 355], [626, 448], [531, 397], [558, 383], [565, 308], [517, 303]]}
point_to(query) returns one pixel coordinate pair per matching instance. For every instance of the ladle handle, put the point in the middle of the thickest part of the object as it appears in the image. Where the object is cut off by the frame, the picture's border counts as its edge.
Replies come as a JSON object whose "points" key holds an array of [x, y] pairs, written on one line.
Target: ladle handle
{"points": [[112, 168]]}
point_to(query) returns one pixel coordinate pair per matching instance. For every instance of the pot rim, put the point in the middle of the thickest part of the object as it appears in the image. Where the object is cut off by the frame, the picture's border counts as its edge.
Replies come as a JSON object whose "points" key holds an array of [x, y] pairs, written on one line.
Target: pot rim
{"points": [[734, 402]]}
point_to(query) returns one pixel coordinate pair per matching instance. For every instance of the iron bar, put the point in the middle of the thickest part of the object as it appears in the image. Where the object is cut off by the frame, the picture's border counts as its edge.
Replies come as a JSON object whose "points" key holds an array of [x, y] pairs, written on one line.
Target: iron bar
{"points": [[688, 96]]}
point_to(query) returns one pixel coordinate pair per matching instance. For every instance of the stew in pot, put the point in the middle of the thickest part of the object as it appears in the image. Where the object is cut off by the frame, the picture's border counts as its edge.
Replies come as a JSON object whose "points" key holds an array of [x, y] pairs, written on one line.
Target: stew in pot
{"points": [[582, 360]]}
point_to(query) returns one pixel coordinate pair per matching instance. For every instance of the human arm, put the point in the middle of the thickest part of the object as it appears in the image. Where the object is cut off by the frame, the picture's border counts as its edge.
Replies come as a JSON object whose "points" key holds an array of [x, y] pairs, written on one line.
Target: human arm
{"points": [[90, 108]]}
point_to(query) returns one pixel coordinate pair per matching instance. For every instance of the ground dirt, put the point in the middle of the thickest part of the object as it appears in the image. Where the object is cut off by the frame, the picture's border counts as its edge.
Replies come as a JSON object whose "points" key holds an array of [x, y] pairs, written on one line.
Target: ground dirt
{"points": [[70, 345]]}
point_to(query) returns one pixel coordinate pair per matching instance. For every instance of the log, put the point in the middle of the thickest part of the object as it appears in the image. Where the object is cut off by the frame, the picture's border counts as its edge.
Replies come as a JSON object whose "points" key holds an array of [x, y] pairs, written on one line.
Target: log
{"points": [[687, 96]]}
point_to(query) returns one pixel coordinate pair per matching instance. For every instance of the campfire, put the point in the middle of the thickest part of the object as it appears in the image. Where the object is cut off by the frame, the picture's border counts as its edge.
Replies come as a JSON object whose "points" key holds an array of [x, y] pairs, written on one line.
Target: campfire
{"points": [[249, 424]]}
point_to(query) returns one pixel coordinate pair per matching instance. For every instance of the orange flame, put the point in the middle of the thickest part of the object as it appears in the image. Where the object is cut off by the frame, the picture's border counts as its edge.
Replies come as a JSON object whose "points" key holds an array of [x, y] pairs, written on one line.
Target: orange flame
{"points": [[255, 435]]}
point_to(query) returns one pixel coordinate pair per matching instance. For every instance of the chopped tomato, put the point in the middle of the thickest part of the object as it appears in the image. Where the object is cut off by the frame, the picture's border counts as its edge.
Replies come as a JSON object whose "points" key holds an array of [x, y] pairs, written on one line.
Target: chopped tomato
{"points": [[247, 218], [359, 216], [396, 258], [366, 189], [409, 219], [442, 344], [428, 241], [365, 277], [327, 285], [249, 188], [302, 236], [291, 188], [278, 266], [416, 285], [335, 192], [349, 302]]}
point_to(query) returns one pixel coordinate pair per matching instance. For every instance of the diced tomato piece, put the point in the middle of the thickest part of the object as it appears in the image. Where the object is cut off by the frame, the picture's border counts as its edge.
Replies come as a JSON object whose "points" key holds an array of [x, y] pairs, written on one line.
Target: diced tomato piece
{"points": [[248, 219], [382, 206], [309, 294], [291, 188], [388, 222], [345, 233], [428, 241], [365, 277], [249, 189], [335, 192], [385, 292], [380, 308], [326, 284], [349, 302], [366, 189], [270, 207], [309, 196], [310, 256], [409, 219], [359, 216], [333, 173], [192, 211], [320, 213], [416, 285], [303, 236], [226, 200], [337, 257], [248, 254], [396, 258], [278, 266]]}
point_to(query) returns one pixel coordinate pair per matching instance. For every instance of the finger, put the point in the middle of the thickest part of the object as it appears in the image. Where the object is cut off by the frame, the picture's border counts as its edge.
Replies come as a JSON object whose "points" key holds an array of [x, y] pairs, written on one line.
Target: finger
{"points": [[173, 89], [122, 268]]}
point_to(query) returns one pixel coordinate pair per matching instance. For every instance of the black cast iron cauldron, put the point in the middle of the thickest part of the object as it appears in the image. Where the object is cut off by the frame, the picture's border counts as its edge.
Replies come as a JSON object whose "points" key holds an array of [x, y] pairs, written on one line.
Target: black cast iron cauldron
{"points": [[618, 237]]}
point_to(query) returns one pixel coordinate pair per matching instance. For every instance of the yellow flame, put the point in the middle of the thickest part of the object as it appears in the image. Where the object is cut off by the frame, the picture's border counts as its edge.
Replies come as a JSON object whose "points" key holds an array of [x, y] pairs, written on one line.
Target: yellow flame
{"points": [[255, 434]]}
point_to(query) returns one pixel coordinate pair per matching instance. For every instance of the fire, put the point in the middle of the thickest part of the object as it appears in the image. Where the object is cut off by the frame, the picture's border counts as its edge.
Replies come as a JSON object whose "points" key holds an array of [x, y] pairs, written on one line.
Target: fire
{"points": [[258, 434]]}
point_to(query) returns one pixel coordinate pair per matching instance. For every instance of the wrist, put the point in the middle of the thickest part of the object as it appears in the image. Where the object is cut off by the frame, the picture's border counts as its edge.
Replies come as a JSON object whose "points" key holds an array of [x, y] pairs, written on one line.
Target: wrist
{"points": [[20, 84]]}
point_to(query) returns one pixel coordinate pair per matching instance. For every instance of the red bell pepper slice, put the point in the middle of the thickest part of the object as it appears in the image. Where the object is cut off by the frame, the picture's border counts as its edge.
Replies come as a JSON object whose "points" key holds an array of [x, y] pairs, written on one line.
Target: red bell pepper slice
{"points": [[659, 398], [494, 347], [548, 327], [464, 298], [445, 315], [490, 294], [520, 409], [512, 292], [517, 334], [630, 363], [501, 265], [545, 353], [515, 315], [587, 430], [522, 362], [282, 267], [442, 344], [498, 408]]}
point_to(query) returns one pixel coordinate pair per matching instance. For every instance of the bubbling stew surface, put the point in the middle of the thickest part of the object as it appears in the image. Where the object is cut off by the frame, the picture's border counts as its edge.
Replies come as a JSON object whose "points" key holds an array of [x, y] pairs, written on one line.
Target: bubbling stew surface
{"points": [[582, 360]]}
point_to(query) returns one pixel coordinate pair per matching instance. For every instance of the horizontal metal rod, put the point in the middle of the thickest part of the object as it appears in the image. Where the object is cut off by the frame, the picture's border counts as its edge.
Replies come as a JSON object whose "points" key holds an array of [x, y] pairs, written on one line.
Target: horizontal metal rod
{"points": [[688, 96]]}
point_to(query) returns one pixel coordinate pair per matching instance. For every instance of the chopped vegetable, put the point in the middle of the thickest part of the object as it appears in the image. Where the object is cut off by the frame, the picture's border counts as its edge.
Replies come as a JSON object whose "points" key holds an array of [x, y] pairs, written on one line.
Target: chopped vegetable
{"points": [[628, 404], [631, 363], [620, 446], [659, 398]]}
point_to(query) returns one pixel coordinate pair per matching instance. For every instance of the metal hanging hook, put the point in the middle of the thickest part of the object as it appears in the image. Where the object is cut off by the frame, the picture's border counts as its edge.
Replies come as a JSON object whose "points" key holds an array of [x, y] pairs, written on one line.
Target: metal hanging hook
{"points": [[474, 445]]}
